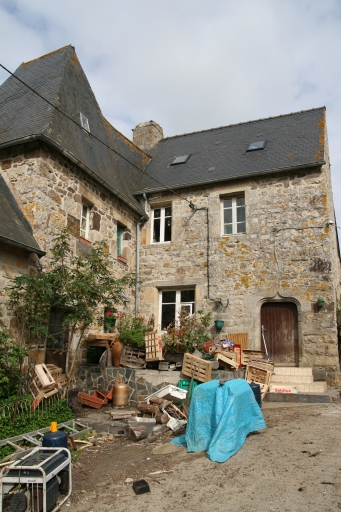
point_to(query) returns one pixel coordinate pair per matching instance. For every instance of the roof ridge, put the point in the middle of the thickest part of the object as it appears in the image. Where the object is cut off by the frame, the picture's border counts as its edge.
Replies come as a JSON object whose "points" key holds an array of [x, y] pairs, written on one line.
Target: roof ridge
{"points": [[242, 123], [47, 55]]}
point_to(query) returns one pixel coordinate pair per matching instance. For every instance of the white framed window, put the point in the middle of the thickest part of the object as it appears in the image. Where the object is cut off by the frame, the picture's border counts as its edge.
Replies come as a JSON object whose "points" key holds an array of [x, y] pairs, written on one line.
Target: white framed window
{"points": [[171, 302], [233, 215], [162, 225], [85, 221]]}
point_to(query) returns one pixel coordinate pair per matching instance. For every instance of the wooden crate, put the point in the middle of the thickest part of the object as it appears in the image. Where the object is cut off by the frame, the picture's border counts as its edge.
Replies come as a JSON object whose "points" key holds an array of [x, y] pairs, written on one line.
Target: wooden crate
{"points": [[133, 358], [247, 355], [226, 360], [238, 338], [258, 375], [153, 346], [197, 368]]}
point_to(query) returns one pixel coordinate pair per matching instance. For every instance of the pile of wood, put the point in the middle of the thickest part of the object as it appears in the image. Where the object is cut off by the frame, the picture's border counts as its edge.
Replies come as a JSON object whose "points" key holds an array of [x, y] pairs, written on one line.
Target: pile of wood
{"points": [[46, 381], [162, 410]]}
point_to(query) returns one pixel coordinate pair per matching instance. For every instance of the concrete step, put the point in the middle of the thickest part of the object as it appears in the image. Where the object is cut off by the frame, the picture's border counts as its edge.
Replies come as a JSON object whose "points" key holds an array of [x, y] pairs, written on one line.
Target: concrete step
{"points": [[312, 387], [291, 379], [293, 371]]}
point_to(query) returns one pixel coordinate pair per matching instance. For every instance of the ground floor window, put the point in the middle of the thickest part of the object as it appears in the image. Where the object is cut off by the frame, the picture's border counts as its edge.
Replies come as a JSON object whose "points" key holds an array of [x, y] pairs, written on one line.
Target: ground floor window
{"points": [[171, 302]]}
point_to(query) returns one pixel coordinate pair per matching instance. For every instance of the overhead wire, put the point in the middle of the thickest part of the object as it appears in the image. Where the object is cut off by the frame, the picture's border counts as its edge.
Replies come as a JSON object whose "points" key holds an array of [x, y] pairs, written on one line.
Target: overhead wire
{"points": [[92, 135]]}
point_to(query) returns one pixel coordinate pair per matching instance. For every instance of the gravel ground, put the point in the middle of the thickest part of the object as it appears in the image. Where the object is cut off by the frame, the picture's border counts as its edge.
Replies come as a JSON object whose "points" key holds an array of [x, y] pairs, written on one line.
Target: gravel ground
{"points": [[293, 465]]}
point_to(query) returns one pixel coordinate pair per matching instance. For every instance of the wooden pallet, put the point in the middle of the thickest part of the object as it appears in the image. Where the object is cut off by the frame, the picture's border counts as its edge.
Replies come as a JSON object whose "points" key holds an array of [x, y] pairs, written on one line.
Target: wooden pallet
{"points": [[133, 358], [153, 346], [197, 368]]}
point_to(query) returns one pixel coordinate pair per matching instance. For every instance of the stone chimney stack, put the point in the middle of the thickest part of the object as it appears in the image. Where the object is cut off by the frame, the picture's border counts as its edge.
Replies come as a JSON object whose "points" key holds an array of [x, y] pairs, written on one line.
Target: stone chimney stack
{"points": [[147, 135]]}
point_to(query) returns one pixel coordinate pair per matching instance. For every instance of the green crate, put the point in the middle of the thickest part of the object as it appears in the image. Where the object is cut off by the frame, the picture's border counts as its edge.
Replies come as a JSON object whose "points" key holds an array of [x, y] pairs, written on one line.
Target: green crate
{"points": [[184, 384]]}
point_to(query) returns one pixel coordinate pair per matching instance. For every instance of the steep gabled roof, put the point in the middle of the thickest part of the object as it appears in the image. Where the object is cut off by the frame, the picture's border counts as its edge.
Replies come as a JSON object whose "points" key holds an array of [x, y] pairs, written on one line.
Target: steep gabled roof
{"points": [[59, 78], [14, 228], [292, 141]]}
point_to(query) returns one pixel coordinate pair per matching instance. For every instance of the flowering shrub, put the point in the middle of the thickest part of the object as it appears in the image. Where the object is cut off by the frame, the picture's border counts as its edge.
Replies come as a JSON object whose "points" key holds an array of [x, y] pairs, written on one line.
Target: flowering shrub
{"points": [[190, 334]]}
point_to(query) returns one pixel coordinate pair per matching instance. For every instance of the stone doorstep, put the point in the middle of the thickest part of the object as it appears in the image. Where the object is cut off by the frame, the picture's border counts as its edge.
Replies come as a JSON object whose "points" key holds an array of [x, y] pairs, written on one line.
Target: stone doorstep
{"points": [[313, 387], [292, 379]]}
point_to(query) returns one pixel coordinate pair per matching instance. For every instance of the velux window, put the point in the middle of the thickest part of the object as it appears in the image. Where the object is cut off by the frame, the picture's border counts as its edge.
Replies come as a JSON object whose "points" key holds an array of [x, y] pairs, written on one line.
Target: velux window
{"points": [[233, 215], [171, 302], [85, 221], [162, 225]]}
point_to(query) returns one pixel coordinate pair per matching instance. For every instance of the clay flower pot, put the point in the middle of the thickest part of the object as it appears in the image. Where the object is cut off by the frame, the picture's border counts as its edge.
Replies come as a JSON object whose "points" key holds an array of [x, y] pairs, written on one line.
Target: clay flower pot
{"points": [[219, 324]]}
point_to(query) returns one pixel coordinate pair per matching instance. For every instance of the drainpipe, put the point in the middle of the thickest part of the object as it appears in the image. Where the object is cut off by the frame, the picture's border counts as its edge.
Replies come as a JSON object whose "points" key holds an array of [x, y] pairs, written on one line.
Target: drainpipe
{"points": [[138, 234]]}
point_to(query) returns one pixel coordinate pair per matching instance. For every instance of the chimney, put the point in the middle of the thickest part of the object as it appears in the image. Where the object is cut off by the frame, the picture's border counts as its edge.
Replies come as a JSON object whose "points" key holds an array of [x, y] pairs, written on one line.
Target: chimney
{"points": [[147, 135]]}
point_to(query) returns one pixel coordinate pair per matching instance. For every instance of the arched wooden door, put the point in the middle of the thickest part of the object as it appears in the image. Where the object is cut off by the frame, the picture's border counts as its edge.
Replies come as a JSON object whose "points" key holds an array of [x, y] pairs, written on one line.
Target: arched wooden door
{"points": [[280, 321]]}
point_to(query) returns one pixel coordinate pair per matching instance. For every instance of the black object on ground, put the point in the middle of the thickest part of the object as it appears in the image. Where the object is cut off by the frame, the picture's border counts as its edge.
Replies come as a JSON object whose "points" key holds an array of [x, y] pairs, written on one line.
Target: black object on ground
{"points": [[141, 487]]}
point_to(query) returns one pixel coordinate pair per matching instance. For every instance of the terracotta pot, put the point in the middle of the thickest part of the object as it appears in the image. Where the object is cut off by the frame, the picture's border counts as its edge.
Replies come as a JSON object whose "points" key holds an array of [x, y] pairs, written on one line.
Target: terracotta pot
{"points": [[116, 351]]}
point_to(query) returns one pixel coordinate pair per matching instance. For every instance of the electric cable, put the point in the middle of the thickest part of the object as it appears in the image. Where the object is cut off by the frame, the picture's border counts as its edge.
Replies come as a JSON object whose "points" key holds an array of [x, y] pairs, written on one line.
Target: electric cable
{"points": [[91, 134]]}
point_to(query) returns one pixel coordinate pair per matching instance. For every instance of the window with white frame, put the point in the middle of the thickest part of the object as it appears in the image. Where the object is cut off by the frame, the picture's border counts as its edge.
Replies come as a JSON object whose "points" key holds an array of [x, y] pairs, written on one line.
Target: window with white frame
{"points": [[85, 221], [162, 225], [233, 215], [171, 302]]}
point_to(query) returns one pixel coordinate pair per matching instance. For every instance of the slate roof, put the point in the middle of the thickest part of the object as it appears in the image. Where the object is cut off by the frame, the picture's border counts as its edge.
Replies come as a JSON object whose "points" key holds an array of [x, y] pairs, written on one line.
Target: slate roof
{"points": [[14, 228], [293, 140], [59, 77]]}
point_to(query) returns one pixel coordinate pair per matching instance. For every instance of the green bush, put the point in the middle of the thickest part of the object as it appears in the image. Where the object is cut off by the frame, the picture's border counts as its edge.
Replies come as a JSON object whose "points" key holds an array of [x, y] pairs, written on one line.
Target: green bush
{"points": [[135, 338], [28, 420]]}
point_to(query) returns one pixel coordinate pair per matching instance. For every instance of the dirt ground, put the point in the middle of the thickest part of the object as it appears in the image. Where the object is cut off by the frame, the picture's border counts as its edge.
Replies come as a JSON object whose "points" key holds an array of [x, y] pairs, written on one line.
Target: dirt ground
{"points": [[293, 465]]}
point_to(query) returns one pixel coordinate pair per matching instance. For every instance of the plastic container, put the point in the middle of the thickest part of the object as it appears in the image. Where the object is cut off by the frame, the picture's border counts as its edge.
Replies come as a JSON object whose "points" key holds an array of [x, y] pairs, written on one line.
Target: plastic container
{"points": [[184, 384], [256, 391], [54, 438]]}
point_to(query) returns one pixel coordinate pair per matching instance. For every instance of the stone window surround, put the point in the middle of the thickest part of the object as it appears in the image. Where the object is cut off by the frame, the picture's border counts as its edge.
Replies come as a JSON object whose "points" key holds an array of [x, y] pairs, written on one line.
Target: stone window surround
{"points": [[234, 197]]}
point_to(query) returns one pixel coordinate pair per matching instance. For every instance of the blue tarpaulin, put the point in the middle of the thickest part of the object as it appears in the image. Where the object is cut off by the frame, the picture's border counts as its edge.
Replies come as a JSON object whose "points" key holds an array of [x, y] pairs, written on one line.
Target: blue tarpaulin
{"points": [[220, 418]]}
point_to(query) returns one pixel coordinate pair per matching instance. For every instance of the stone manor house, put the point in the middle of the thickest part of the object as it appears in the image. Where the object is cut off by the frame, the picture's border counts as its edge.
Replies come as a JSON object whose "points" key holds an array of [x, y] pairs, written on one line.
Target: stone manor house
{"points": [[241, 214]]}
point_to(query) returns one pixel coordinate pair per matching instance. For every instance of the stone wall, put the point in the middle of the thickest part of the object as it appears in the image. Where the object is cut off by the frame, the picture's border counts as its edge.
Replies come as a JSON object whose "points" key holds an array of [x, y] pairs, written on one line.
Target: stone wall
{"points": [[288, 253], [50, 190], [13, 262], [141, 382]]}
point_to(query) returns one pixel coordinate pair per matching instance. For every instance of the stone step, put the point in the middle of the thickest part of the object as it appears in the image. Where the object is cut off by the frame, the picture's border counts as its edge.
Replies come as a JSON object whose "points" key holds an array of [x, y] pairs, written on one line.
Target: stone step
{"points": [[313, 387], [294, 370], [292, 379]]}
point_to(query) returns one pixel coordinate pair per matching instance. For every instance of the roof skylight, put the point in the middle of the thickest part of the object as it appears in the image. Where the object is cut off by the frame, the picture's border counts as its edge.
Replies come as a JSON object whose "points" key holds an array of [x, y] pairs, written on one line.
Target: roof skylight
{"points": [[254, 146], [84, 122], [180, 159]]}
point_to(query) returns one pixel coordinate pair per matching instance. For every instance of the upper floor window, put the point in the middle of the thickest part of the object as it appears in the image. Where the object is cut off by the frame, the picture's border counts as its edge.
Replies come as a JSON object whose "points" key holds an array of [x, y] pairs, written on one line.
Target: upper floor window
{"points": [[85, 221], [233, 215], [162, 224]]}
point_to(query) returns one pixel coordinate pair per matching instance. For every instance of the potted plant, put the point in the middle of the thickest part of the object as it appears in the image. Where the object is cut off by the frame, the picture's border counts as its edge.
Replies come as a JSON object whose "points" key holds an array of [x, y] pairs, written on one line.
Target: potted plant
{"points": [[132, 329], [187, 335], [320, 301], [109, 319], [218, 322]]}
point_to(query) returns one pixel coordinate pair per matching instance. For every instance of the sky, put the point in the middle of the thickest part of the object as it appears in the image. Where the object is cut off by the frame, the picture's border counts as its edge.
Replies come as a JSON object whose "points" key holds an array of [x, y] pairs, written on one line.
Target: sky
{"points": [[192, 65]]}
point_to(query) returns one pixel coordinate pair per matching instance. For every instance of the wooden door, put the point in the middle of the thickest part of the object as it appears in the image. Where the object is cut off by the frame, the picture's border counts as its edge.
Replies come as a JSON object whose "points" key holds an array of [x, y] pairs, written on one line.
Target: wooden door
{"points": [[280, 323], [57, 343]]}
